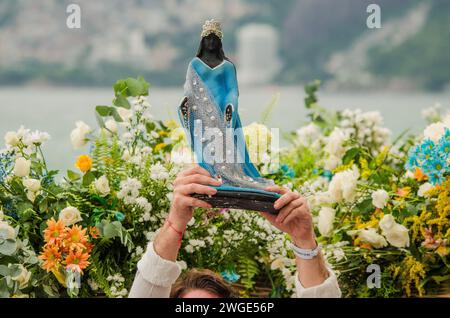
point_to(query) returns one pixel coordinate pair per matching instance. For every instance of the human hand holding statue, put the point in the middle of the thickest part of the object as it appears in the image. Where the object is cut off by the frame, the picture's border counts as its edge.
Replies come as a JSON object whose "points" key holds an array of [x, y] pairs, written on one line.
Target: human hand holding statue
{"points": [[294, 219]]}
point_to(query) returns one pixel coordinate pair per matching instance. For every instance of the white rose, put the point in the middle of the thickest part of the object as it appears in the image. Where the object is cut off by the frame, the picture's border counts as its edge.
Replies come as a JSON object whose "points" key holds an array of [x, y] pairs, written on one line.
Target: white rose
{"points": [[370, 236], [424, 188], [78, 135], [434, 131], [11, 139], [387, 222], [278, 263], [343, 185], [70, 215], [31, 196], [32, 185], [7, 232], [380, 198], [23, 277], [22, 167], [398, 236], [326, 219], [101, 185], [111, 125]]}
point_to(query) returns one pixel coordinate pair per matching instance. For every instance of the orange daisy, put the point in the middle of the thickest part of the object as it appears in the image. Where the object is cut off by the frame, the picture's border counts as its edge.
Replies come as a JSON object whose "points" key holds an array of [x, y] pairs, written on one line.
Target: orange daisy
{"points": [[54, 232], [51, 257], [419, 175], [94, 232], [75, 238], [76, 261]]}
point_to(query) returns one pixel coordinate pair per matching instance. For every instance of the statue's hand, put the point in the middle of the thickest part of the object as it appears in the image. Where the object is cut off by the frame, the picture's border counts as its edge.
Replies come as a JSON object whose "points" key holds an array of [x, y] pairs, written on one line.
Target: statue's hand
{"points": [[294, 217]]}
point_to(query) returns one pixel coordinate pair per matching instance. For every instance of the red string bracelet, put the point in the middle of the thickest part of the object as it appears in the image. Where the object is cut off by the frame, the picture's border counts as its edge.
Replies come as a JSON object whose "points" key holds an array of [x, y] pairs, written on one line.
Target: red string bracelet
{"points": [[176, 231]]}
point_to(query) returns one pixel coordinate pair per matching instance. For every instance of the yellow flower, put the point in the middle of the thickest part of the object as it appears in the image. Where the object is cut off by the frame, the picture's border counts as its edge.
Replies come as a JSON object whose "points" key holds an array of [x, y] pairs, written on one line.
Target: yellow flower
{"points": [[412, 274], [84, 163], [171, 124], [365, 170], [160, 146], [258, 139]]}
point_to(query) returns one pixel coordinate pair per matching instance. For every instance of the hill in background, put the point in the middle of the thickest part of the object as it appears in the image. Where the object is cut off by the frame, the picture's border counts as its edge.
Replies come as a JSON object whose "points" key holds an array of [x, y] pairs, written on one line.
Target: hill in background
{"points": [[318, 39]]}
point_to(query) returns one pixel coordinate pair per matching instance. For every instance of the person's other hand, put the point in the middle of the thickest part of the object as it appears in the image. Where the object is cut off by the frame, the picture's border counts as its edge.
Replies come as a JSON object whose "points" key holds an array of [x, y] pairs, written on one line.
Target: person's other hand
{"points": [[294, 217], [192, 180]]}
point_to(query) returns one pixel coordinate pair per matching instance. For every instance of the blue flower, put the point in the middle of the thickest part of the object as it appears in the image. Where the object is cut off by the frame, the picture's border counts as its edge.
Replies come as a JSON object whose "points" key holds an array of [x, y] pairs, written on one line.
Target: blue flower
{"points": [[119, 216], [230, 276], [446, 134], [327, 174], [414, 154], [436, 178], [287, 171], [438, 165], [444, 147], [426, 150]]}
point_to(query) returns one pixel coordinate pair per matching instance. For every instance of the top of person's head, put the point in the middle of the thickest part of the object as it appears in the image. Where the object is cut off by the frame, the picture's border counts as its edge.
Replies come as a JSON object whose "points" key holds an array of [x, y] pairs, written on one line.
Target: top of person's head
{"points": [[202, 284]]}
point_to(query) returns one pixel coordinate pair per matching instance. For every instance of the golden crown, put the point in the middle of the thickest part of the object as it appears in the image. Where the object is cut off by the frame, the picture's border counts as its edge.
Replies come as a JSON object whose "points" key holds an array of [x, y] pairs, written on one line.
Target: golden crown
{"points": [[212, 26]]}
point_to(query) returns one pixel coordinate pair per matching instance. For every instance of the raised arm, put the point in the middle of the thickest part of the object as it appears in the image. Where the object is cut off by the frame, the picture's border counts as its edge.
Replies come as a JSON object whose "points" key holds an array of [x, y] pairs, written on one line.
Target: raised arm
{"points": [[314, 278], [157, 270]]}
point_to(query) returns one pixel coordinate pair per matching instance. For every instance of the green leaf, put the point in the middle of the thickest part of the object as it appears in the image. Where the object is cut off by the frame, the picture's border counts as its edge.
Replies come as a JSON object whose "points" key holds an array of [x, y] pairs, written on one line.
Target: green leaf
{"points": [[137, 87], [111, 230], [14, 270], [440, 279], [350, 155], [8, 247], [131, 87], [99, 119], [103, 110], [5, 271], [365, 207], [73, 176], [43, 205], [116, 116], [120, 87], [4, 293], [121, 101], [88, 178]]}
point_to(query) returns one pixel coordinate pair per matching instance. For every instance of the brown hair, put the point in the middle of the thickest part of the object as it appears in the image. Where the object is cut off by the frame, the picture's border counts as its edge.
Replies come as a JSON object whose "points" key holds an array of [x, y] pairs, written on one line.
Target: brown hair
{"points": [[203, 279]]}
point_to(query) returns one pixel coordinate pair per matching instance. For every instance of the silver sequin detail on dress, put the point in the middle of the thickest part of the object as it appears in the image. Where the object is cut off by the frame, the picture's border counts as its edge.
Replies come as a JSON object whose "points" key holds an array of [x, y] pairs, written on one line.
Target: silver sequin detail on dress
{"points": [[208, 112]]}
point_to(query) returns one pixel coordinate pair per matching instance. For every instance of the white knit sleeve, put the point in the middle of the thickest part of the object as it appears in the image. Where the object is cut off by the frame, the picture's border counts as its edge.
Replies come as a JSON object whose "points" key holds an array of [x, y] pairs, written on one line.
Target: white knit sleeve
{"points": [[155, 276], [328, 289]]}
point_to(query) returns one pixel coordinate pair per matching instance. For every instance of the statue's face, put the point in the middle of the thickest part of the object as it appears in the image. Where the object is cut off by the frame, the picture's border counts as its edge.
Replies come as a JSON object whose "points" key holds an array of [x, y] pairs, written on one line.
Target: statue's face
{"points": [[212, 42]]}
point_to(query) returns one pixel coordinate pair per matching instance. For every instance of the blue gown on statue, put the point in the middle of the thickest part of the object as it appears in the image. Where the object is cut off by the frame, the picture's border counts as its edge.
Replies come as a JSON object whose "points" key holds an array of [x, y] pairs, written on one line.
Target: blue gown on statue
{"points": [[212, 95]]}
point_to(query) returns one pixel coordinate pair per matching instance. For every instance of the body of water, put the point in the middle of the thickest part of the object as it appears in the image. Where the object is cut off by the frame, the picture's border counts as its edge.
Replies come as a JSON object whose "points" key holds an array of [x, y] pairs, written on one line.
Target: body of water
{"points": [[56, 110]]}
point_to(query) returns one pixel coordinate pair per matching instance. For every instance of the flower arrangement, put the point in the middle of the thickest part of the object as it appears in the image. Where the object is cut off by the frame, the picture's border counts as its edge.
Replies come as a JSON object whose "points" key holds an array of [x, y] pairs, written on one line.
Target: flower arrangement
{"points": [[81, 233], [66, 250]]}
